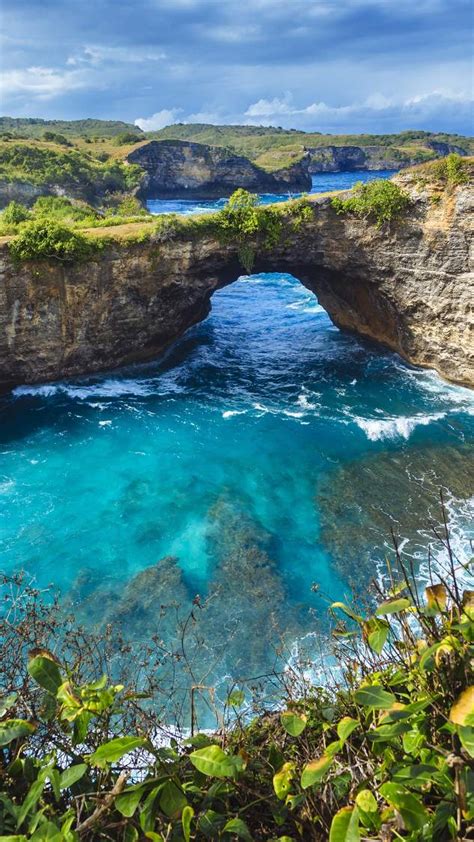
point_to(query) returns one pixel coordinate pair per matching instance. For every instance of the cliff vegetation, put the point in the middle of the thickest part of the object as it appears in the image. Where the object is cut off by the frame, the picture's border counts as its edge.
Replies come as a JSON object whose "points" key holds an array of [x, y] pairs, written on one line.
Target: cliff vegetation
{"points": [[51, 166]]}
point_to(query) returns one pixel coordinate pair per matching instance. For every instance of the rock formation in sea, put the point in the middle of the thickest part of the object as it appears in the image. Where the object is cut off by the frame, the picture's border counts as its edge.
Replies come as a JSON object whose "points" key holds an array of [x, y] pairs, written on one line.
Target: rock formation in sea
{"points": [[181, 168], [408, 285]]}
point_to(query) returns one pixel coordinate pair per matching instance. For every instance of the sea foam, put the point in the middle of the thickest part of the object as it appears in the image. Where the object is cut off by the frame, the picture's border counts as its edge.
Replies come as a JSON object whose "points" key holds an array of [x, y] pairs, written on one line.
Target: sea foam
{"points": [[391, 428]]}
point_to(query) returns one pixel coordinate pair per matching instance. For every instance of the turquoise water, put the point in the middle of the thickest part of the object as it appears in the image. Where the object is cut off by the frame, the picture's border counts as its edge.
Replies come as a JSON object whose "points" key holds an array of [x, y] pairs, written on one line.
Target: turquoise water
{"points": [[322, 183], [266, 452], [261, 464]]}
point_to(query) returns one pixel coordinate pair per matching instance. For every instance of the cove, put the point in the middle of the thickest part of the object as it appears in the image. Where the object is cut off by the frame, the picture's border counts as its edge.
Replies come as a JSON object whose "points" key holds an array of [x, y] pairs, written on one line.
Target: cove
{"points": [[265, 453], [321, 183]]}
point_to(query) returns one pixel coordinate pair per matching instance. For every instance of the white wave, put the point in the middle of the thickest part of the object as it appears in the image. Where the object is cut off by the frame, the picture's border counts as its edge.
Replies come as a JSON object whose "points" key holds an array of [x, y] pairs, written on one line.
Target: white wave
{"points": [[113, 388], [46, 391], [306, 305], [229, 413], [105, 423], [431, 382], [305, 403], [288, 413], [391, 428]]}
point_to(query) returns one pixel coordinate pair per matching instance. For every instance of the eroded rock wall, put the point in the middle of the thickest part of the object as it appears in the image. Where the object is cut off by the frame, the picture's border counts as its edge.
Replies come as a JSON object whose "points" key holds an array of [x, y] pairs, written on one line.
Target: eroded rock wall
{"points": [[181, 168], [409, 286], [374, 157]]}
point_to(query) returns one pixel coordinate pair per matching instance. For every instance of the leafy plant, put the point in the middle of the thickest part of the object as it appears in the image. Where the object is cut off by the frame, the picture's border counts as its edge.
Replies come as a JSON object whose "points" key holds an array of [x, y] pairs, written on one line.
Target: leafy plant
{"points": [[46, 239], [452, 169], [14, 213], [244, 223], [379, 200]]}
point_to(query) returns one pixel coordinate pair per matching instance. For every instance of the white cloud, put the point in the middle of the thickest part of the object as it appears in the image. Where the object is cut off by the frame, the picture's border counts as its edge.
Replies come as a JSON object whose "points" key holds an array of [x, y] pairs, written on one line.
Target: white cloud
{"points": [[376, 107], [41, 82], [96, 54], [271, 107], [159, 120]]}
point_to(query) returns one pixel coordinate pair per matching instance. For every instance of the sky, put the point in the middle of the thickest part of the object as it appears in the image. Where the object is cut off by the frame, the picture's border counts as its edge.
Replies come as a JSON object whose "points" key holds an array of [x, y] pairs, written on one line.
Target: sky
{"points": [[317, 65]]}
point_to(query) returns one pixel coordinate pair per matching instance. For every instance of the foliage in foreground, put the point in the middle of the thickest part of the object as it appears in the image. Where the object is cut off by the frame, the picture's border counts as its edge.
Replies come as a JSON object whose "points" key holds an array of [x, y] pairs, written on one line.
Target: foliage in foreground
{"points": [[380, 200], [385, 752], [46, 239]]}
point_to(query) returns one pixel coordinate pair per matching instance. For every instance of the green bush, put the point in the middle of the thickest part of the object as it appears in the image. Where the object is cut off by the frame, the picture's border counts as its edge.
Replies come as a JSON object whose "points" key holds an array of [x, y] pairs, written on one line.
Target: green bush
{"points": [[53, 137], [46, 239], [379, 200], [244, 223], [452, 170], [71, 169], [128, 137], [14, 213], [60, 209]]}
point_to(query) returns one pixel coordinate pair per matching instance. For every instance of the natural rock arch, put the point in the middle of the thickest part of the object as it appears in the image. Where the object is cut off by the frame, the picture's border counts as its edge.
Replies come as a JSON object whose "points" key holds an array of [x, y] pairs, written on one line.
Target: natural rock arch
{"points": [[408, 287]]}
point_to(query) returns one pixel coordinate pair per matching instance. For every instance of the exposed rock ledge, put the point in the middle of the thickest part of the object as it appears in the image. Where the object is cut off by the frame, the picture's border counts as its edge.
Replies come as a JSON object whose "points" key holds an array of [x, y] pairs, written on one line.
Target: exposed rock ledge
{"points": [[410, 287], [184, 169], [377, 157]]}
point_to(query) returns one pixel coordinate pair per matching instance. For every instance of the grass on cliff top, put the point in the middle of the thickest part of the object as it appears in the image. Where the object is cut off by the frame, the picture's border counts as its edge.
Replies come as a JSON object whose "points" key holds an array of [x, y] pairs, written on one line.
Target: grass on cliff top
{"points": [[383, 749], [42, 163]]}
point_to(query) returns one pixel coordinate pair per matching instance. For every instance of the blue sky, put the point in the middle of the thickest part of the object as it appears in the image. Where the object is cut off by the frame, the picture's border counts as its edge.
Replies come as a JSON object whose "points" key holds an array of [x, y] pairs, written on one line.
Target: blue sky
{"points": [[321, 65]]}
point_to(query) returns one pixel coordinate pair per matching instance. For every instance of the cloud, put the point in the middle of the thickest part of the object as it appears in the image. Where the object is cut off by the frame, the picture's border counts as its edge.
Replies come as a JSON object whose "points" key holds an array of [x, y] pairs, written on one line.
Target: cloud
{"points": [[96, 54], [229, 58], [433, 110], [41, 82], [159, 120]]}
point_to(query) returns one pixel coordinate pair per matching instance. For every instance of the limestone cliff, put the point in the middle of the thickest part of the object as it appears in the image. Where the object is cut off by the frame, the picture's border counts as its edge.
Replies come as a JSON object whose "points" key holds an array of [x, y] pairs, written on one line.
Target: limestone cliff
{"points": [[181, 168], [409, 287], [375, 157]]}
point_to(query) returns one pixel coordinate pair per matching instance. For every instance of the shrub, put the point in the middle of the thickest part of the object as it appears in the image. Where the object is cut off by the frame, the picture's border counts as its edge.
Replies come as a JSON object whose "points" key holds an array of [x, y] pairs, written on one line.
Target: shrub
{"points": [[60, 209], [46, 239], [244, 223], [128, 137], [71, 169], [452, 169], [53, 137], [15, 213], [131, 206], [379, 200]]}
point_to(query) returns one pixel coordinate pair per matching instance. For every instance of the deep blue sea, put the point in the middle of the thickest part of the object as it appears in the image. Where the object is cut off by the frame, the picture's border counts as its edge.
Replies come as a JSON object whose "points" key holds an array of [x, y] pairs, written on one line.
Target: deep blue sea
{"points": [[261, 463]]}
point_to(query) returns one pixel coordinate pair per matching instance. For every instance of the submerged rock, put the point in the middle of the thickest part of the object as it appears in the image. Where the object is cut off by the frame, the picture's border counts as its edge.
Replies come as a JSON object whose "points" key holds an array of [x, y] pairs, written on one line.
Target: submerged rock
{"points": [[248, 621], [363, 501], [149, 603]]}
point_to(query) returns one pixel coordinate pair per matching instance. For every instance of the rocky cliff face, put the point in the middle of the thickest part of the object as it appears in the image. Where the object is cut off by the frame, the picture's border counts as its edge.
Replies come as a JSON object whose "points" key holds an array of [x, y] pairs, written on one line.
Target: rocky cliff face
{"points": [[26, 192], [181, 168], [409, 287], [352, 158]]}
